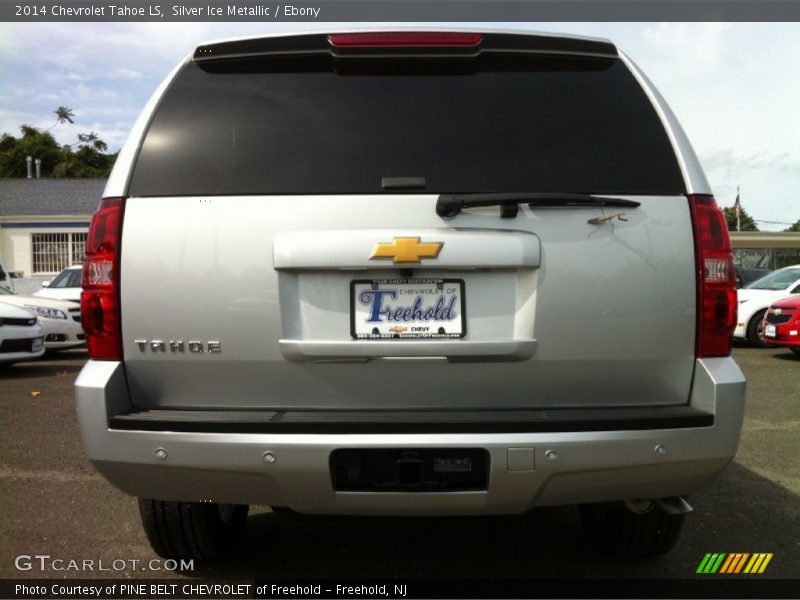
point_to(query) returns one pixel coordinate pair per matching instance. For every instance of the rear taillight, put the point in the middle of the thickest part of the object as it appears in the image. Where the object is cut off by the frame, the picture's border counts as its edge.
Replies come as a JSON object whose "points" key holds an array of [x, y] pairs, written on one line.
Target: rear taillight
{"points": [[716, 278], [100, 315], [404, 39]]}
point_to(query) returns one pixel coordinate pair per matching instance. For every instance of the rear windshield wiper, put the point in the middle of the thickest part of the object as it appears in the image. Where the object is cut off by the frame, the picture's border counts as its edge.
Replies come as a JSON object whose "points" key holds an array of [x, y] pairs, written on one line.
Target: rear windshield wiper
{"points": [[449, 205]]}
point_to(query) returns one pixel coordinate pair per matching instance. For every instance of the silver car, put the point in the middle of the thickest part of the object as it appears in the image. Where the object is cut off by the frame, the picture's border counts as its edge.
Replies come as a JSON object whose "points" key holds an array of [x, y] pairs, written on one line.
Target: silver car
{"points": [[409, 273]]}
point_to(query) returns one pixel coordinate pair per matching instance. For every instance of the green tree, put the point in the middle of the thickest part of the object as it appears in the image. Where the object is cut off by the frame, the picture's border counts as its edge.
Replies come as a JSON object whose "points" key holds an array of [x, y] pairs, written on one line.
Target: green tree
{"points": [[795, 227], [746, 221], [91, 139], [87, 159], [32, 142]]}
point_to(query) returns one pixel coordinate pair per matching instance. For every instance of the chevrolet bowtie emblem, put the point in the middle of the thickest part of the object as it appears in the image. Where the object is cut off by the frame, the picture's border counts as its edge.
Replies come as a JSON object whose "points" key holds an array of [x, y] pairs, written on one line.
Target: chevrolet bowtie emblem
{"points": [[397, 329], [406, 250]]}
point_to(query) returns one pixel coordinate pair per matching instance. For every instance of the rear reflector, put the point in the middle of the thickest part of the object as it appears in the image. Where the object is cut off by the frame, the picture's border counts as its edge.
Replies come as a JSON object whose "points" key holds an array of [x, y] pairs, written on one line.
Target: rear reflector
{"points": [[404, 39], [100, 317], [716, 278]]}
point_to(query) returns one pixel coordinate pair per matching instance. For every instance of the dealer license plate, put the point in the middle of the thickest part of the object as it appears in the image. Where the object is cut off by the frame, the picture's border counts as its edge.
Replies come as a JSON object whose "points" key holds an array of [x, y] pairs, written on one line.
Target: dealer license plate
{"points": [[769, 331], [407, 309]]}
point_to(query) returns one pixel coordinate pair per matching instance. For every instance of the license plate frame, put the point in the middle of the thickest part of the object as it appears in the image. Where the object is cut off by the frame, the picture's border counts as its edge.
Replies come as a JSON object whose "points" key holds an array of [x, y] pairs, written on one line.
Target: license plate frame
{"points": [[356, 286], [769, 331]]}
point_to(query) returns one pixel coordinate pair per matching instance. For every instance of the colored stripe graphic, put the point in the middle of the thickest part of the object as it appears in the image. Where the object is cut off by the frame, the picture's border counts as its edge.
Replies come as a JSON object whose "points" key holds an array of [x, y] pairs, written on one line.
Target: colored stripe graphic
{"points": [[726, 565], [711, 562], [758, 563], [717, 563], [751, 564], [733, 563], [732, 558], [765, 563], [703, 563], [741, 562]]}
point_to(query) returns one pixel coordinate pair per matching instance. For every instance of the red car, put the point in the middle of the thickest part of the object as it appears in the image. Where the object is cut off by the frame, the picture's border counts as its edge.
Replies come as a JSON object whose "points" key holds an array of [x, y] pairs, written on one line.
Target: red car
{"points": [[782, 323]]}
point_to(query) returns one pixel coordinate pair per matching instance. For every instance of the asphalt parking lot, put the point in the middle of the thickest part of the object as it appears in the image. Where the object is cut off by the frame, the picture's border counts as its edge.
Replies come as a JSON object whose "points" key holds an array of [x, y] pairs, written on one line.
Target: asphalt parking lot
{"points": [[52, 502]]}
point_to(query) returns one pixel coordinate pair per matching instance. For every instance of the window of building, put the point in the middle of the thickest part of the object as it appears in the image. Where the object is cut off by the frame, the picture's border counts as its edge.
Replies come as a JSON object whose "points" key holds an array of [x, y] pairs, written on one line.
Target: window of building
{"points": [[766, 258], [754, 258], [786, 257], [52, 252]]}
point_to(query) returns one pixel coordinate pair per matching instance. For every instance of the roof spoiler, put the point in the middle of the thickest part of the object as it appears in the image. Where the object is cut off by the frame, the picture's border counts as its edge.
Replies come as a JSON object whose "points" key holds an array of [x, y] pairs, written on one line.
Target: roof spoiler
{"points": [[404, 45]]}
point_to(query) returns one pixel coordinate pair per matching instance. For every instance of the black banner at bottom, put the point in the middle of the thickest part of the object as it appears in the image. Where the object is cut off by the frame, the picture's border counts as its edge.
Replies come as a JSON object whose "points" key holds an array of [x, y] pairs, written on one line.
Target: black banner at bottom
{"points": [[400, 589]]}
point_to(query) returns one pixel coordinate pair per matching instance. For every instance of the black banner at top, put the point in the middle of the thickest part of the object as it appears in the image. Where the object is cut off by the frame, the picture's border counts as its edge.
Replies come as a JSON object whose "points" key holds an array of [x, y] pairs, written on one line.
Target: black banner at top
{"points": [[398, 10]]}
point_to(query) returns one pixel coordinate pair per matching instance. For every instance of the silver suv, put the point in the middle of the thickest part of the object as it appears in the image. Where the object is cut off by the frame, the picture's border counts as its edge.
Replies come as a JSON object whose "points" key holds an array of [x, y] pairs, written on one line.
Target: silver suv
{"points": [[409, 273]]}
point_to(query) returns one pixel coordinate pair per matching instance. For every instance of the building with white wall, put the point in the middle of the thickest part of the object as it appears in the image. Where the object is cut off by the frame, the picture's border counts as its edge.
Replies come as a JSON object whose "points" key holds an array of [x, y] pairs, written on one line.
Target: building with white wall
{"points": [[44, 222]]}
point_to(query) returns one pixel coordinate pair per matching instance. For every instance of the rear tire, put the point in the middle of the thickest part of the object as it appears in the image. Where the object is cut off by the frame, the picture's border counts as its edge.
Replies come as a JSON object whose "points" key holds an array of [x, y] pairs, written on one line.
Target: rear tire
{"points": [[615, 528], [755, 332], [192, 530]]}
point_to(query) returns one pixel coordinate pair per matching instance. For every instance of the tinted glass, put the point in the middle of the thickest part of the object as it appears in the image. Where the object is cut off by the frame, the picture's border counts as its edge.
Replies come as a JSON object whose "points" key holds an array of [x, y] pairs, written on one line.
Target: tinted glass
{"points": [[67, 278], [777, 280], [579, 125]]}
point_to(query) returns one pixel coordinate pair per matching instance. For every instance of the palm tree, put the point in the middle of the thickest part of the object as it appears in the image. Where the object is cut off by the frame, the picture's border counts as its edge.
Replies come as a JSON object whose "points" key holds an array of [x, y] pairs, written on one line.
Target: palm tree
{"points": [[94, 140], [63, 115], [87, 138]]}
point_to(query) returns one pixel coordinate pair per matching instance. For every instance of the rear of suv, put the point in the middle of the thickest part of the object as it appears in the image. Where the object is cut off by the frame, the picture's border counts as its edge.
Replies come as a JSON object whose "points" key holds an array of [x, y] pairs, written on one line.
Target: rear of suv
{"points": [[409, 273]]}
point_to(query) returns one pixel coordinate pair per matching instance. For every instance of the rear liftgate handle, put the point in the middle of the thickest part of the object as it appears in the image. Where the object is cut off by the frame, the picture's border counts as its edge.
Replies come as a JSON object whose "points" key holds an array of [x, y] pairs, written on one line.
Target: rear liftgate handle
{"points": [[364, 350]]}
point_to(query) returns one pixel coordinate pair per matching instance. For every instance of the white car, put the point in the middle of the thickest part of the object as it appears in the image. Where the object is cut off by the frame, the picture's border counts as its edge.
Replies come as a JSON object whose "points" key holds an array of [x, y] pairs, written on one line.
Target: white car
{"points": [[65, 286], [755, 299], [21, 335], [60, 319]]}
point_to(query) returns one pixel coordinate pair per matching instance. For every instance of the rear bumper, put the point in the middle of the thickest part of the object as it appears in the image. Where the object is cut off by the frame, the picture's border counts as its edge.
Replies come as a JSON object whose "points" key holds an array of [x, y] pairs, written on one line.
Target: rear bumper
{"points": [[590, 466]]}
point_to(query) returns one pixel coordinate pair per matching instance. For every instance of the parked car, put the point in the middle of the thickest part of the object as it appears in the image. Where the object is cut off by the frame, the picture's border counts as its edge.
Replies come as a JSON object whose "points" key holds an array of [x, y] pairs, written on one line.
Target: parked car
{"points": [[484, 272], [64, 286], [6, 281], [755, 298], [21, 335], [60, 320], [746, 276], [782, 324]]}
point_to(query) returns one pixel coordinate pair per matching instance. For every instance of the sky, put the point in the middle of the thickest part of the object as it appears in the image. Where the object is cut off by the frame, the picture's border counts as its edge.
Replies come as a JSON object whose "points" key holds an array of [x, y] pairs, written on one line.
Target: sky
{"points": [[735, 87]]}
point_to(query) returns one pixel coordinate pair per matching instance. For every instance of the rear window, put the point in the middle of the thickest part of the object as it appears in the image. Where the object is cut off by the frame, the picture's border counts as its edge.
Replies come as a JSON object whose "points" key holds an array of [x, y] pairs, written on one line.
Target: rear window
{"points": [[777, 280], [488, 125]]}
